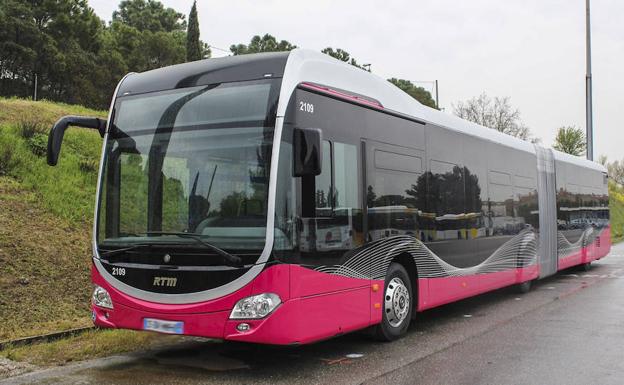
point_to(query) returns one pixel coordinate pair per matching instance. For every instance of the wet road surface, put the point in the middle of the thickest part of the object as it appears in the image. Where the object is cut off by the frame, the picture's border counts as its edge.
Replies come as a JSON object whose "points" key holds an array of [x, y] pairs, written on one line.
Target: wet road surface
{"points": [[568, 329]]}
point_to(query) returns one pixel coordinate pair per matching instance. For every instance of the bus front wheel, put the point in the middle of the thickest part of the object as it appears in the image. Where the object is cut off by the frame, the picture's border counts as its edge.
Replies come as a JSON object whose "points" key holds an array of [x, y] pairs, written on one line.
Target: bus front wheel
{"points": [[398, 304]]}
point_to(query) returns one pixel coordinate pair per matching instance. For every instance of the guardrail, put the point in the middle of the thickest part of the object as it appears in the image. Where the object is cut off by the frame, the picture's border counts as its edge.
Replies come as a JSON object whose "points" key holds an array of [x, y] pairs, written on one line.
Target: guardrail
{"points": [[44, 337]]}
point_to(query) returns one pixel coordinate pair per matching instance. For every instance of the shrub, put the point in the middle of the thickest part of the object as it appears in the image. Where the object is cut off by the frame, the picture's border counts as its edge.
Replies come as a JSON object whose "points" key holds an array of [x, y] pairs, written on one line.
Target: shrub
{"points": [[8, 160], [28, 128], [38, 144], [87, 165]]}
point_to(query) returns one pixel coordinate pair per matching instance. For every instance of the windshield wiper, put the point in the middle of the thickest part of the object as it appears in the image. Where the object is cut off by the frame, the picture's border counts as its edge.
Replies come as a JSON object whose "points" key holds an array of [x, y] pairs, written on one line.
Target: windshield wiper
{"points": [[111, 253], [233, 259]]}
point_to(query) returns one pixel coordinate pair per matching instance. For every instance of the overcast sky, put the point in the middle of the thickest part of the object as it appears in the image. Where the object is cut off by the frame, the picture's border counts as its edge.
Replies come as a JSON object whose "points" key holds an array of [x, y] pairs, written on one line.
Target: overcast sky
{"points": [[532, 51]]}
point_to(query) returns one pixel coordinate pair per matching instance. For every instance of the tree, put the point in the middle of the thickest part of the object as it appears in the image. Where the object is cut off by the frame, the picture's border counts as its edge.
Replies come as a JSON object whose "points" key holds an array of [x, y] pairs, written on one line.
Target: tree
{"points": [[570, 140], [19, 39], [418, 93], [75, 57], [615, 169], [266, 43], [55, 42], [146, 35], [150, 15], [496, 113], [344, 56], [193, 45]]}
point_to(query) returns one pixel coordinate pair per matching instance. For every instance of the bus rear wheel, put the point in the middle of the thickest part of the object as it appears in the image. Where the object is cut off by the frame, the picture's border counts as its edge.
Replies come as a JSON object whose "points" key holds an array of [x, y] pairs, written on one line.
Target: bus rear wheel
{"points": [[398, 304], [524, 287]]}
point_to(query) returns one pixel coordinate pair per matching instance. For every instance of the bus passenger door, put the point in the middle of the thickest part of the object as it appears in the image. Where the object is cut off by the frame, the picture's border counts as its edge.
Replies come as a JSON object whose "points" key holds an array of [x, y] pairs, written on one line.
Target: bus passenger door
{"points": [[331, 224]]}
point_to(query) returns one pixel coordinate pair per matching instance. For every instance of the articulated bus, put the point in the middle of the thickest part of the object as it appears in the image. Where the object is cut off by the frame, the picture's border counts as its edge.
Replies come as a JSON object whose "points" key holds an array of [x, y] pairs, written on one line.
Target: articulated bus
{"points": [[286, 198]]}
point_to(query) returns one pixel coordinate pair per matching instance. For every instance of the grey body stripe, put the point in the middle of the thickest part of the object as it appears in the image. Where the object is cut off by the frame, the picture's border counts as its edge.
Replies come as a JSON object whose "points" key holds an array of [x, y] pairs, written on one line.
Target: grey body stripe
{"points": [[372, 262]]}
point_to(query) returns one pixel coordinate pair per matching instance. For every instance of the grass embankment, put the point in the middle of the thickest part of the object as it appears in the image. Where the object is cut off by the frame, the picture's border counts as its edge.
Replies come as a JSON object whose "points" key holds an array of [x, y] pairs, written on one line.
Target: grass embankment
{"points": [[616, 205], [45, 231], [45, 220], [66, 190]]}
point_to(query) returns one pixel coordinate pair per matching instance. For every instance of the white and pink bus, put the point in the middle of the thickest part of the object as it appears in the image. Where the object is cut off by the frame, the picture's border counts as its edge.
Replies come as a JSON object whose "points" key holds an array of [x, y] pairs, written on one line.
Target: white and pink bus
{"points": [[286, 198]]}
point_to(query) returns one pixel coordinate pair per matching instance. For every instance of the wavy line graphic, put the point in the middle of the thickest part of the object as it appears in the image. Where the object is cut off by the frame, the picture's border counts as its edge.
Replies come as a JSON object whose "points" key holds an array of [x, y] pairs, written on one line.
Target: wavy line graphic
{"points": [[565, 247], [372, 261]]}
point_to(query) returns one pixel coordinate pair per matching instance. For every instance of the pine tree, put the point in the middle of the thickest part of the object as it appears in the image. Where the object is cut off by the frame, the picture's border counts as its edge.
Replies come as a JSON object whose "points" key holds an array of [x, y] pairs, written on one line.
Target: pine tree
{"points": [[193, 45]]}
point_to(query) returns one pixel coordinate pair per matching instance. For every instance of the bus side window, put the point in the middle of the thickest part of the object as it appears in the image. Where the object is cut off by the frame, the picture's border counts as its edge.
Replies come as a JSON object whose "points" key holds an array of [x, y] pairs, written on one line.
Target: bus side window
{"points": [[346, 176], [333, 227], [395, 194], [323, 196]]}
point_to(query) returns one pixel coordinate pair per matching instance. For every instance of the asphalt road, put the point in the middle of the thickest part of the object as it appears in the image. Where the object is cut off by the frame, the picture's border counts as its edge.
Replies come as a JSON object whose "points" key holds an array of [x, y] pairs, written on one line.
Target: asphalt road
{"points": [[568, 330]]}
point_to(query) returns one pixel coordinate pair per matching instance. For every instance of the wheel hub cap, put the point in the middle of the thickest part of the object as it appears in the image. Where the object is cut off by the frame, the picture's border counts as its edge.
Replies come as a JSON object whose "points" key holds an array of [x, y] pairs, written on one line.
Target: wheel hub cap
{"points": [[397, 302]]}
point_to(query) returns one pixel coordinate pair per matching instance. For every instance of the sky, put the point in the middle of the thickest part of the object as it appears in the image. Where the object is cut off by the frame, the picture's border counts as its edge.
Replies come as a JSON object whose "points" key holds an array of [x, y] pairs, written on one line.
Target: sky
{"points": [[532, 51]]}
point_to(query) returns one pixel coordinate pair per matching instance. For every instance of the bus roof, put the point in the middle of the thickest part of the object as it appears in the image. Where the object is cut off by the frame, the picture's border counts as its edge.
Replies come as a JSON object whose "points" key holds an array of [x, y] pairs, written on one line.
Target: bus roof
{"points": [[302, 65], [315, 67]]}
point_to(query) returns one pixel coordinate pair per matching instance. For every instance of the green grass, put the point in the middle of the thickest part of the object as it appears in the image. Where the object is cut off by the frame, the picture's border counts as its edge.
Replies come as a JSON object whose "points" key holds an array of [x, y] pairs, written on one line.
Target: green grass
{"points": [[45, 265], [68, 189], [14, 110], [616, 205], [45, 220], [91, 344]]}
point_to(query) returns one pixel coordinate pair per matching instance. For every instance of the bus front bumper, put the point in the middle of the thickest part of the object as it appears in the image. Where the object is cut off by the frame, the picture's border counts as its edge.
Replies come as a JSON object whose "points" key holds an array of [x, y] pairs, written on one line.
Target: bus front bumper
{"points": [[298, 320]]}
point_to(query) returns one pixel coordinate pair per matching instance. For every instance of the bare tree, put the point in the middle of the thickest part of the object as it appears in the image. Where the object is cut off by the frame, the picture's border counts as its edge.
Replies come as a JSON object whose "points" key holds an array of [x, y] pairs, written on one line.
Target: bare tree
{"points": [[615, 169], [496, 113]]}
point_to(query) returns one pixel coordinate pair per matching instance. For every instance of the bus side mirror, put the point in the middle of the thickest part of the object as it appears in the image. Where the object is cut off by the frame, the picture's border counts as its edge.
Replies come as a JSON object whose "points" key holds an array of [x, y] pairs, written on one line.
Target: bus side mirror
{"points": [[55, 138], [307, 151]]}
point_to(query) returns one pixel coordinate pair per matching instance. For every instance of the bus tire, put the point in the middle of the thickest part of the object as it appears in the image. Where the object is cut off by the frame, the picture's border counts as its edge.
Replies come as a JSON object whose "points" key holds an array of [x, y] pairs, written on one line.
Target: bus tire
{"points": [[586, 266], [524, 287], [398, 304]]}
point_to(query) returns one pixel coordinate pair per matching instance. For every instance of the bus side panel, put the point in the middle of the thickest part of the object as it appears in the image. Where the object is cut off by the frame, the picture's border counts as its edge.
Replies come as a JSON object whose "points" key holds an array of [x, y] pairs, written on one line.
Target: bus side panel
{"points": [[450, 289], [582, 215], [306, 282], [483, 215], [572, 259], [602, 247]]}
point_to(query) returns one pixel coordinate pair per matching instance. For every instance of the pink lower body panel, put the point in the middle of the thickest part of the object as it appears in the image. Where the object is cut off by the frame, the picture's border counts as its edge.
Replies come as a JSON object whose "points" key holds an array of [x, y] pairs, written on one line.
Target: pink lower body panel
{"points": [[315, 305], [439, 291], [332, 306], [599, 248]]}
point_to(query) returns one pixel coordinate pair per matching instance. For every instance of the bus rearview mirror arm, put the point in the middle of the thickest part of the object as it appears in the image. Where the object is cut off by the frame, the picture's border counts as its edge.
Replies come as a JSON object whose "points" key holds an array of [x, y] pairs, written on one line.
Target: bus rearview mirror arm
{"points": [[55, 138]]}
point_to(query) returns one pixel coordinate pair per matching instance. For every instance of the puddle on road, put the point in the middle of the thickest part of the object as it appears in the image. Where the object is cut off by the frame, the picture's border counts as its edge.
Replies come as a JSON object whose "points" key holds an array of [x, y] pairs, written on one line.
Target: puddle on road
{"points": [[206, 359]]}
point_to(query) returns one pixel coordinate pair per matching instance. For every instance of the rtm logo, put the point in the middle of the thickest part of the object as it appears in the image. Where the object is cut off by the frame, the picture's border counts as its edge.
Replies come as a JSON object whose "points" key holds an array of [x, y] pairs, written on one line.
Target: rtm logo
{"points": [[165, 281]]}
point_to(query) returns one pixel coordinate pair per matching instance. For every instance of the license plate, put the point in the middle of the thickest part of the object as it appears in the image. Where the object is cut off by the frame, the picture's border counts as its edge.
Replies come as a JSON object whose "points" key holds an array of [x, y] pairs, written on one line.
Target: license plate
{"points": [[162, 326]]}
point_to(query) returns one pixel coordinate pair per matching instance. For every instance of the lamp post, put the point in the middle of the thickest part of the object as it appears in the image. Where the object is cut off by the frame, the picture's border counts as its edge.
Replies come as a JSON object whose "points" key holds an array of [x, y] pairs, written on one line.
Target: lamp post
{"points": [[588, 88]]}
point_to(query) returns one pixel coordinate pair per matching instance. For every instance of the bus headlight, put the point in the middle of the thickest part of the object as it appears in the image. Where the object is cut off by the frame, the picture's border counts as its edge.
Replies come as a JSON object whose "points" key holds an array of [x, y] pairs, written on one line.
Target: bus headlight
{"points": [[255, 307], [101, 298]]}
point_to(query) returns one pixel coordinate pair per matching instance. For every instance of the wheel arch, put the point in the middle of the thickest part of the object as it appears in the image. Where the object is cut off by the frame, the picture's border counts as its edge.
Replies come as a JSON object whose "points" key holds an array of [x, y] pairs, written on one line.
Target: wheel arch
{"points": [[407, 261]]}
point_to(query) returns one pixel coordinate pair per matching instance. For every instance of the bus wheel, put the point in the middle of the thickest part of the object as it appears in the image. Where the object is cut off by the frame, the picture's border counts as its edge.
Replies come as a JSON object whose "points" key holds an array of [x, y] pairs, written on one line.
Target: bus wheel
{"points": [[586, 266], [524, 287], [398, 304]]}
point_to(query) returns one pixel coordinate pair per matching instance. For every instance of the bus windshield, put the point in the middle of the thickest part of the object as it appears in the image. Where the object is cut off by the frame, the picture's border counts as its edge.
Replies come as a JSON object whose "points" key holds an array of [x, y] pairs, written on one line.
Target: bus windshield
{"points": [[193, 160]]}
